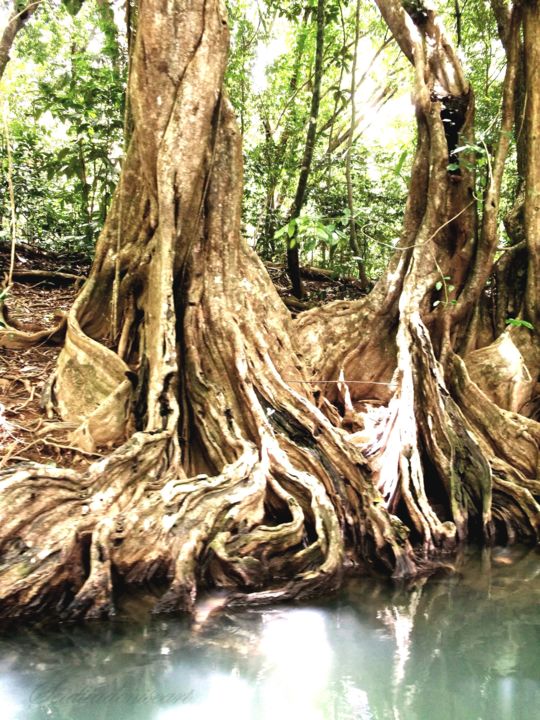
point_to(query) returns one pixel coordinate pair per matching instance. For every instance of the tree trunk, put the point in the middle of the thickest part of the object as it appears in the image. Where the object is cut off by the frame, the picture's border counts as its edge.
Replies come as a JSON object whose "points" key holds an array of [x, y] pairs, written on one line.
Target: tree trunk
{"points": [[293, 251], [20, 14], [439, 456], [251, 453], [531, 217], [276, 154], [353, 240]]}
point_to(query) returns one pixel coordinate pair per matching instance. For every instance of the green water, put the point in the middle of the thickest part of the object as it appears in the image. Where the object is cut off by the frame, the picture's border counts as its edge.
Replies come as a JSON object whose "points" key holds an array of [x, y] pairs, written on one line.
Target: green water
{"points": [[460, 647]]}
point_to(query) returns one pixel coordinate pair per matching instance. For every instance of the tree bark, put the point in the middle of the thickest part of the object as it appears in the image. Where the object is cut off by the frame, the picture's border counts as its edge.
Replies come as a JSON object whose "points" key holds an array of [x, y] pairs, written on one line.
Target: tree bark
{"points": [[531, 26]]}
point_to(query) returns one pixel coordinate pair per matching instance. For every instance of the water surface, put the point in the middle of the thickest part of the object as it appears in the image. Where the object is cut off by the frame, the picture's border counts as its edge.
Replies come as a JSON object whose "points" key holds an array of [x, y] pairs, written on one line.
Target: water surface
{"points": [[464, 646]]}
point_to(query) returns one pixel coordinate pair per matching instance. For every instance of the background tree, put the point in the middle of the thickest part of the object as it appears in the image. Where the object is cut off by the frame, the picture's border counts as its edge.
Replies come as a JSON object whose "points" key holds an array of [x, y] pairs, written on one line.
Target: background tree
{"points": [[20, 14], [293, 257], [275, 146], [67, 127]]}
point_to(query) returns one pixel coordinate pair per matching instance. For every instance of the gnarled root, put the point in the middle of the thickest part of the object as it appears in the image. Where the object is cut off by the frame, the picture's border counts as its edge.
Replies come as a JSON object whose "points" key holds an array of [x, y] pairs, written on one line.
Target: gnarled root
{"points": [[261, 527]]}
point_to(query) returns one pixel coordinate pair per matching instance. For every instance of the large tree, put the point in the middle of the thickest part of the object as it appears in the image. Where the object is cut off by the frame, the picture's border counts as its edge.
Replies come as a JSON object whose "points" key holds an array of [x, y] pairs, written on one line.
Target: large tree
{"points": [[248, 451]]}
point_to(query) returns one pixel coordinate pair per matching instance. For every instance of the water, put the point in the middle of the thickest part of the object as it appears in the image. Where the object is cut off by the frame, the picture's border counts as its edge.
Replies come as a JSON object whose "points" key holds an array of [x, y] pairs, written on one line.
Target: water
{"points": [[457, 647]]}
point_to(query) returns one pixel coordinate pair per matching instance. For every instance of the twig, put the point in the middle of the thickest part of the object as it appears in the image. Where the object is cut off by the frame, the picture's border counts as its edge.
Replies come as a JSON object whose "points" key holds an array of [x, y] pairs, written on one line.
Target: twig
{"points": [[49, 441], [9, 454], [30, 6], [45, 441], [424, 242]]}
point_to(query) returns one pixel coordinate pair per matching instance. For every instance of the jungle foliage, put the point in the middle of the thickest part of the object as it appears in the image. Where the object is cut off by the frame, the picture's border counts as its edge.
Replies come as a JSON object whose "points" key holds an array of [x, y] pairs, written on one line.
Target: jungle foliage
{"points": [[64, 102]]}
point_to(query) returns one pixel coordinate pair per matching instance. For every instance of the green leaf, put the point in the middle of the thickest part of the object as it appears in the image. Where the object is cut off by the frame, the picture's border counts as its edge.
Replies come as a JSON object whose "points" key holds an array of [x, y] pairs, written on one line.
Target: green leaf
{"points": [[515, 322], [291, 227], [333, 239], [63, 154], [438, 285], [437, 302], [401, 162], [280, 232], [73, 6], [471, 148]]}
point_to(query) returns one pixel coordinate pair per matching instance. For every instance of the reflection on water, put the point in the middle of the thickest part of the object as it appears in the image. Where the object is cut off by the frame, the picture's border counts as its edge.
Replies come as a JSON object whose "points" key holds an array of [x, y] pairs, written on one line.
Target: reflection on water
{"points": [[459, 647]]}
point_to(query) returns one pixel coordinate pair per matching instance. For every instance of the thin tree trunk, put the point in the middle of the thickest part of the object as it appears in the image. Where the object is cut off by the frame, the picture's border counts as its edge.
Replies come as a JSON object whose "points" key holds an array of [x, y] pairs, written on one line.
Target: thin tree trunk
{"points": [[277, 154], [18, 17], [293, 251], [11, 192], [355, 248]]}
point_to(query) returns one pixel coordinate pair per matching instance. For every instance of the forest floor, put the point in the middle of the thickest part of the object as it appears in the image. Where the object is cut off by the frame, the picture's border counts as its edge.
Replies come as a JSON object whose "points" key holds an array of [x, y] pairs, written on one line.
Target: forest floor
{"points": [[34, 302], [320, 286]]}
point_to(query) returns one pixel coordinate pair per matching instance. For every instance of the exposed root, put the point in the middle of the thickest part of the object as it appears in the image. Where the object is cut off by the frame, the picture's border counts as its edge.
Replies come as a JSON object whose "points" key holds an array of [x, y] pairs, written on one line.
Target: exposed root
{"points": [[55, 278], [511, 444], [13, 339], [502, 371]]}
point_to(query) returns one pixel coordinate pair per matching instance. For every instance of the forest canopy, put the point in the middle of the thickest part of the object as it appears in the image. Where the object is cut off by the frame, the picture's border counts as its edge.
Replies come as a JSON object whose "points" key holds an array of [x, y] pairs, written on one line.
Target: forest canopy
{"points": [[64, 97]]}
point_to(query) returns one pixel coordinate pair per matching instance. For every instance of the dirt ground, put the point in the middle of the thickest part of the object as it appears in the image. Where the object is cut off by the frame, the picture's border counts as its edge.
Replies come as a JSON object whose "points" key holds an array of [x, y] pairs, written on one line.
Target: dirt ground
{"points": [[319, 291], [25, 431], [33, 304]]}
